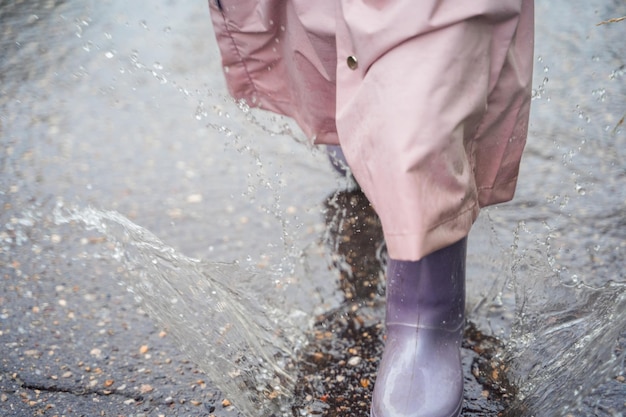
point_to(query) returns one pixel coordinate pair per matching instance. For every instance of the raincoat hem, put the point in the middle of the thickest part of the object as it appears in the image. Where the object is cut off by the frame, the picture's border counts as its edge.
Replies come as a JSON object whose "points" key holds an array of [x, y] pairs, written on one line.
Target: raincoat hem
{"points": [[437, 237]]}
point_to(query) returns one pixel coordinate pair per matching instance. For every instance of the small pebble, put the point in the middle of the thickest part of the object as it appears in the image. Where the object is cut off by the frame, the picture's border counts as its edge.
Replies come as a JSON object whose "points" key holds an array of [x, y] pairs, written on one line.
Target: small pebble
{"points": [[354, 361]]}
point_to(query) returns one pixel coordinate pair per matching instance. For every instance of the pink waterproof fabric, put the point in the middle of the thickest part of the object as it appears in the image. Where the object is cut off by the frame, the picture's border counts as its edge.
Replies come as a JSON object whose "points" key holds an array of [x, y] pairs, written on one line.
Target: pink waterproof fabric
{"points": [[432, 118]]}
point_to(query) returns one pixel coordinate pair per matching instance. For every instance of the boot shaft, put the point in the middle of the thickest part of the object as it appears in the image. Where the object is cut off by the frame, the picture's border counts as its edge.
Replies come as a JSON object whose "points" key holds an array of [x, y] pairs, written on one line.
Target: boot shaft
{"points": [[429, 293]]}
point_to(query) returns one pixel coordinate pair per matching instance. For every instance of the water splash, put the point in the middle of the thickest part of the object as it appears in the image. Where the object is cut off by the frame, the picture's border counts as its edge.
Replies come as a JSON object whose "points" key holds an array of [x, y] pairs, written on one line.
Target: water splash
{"points": [[245, 344], [565, 339]]}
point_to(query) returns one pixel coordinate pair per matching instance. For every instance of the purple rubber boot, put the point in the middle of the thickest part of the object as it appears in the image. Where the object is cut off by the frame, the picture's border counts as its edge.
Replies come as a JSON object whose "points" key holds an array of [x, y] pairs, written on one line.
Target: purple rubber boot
{"points": [[420, 374], [337, 158]]}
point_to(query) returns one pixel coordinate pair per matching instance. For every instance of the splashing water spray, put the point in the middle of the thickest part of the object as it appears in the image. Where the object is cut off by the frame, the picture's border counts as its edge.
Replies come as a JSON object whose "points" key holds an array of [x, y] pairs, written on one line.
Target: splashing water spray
{"points": [[245, 345]]}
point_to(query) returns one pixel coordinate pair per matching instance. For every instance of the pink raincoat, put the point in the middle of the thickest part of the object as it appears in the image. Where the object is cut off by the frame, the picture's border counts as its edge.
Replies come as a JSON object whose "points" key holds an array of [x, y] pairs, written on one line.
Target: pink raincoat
{"points": [[428, 99]]}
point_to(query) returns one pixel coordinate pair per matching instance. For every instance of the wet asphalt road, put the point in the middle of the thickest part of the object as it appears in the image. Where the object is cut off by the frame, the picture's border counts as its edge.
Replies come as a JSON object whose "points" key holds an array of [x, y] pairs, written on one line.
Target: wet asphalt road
{"points": [[123, 107], [88, 349]]}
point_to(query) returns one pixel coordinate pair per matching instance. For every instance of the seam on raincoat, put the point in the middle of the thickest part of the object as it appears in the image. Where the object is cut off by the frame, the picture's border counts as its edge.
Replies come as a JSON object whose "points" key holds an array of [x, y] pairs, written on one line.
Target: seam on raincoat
{"points": [[498, 192], [492, 186], [451, 218], [240, 57]]}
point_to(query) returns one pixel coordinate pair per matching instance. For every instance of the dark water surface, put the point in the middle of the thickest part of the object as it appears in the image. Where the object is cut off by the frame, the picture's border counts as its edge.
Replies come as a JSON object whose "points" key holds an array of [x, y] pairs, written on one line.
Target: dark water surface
{"points": [[121, 106]]}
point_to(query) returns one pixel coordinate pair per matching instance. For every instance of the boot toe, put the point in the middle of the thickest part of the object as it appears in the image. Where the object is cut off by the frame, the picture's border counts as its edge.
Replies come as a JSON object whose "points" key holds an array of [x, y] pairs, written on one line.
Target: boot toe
{"points": [[420, 375]]}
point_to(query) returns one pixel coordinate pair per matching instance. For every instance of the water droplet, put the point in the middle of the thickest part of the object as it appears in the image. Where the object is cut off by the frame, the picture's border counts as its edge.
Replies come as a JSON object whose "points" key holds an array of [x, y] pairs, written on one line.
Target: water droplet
{"points": [[600, 94], [580, 189], [108, 35], [144, 24], [535, 94], [159, 77], [200, 111], [109, 54], [157, 65], [617, 73], [243, 106]]}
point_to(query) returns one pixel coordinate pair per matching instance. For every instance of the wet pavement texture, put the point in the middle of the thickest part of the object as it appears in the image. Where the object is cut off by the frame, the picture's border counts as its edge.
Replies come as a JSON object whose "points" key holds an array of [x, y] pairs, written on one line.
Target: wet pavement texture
{"points": [[123, 107], [75, 342]]}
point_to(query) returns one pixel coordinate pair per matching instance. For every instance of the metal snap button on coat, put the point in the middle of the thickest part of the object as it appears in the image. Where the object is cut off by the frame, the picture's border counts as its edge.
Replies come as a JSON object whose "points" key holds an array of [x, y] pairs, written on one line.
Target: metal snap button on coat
{"points": [[352, 62]]}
